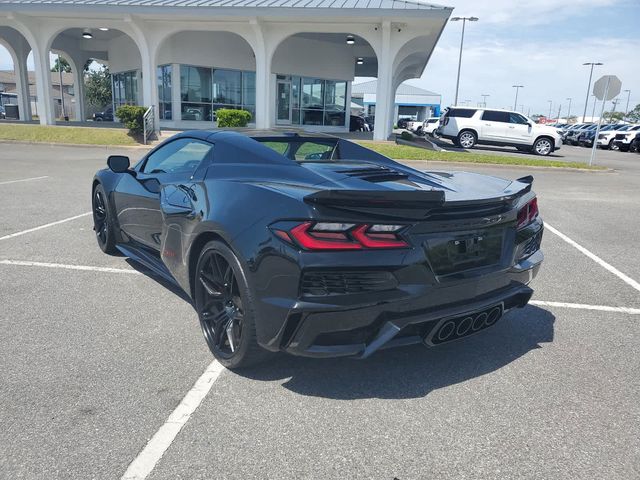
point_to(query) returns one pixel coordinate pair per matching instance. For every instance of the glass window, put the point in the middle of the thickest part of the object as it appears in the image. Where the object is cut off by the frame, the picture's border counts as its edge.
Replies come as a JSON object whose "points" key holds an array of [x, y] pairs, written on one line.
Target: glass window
{"points": [[164, 92], [495, 116], [205, 90], [180, 156], [227, 87], [461, 112], [195, 84], [517, 118], [125, 88], [304, 150], [312, 93]]}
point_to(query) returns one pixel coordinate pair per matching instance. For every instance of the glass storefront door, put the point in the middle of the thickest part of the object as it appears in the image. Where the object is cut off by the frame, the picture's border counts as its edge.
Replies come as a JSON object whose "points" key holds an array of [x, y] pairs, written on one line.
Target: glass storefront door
{"points": [[283, 102]]}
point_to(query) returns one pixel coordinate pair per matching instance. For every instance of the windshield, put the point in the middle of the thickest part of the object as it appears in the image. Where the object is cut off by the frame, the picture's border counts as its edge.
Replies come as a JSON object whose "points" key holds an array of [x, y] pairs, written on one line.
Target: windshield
{"points": [[304, 150]]}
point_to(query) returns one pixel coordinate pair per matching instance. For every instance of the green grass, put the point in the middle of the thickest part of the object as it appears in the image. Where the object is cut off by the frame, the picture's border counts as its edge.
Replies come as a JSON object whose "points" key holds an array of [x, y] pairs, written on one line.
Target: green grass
{"points": [[60, 134], [406, 152]]}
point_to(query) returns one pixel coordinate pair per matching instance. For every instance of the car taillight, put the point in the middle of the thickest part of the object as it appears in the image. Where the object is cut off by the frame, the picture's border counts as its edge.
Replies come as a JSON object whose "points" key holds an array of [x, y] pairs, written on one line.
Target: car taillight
{"points": [[343, 236], [528, 213]]}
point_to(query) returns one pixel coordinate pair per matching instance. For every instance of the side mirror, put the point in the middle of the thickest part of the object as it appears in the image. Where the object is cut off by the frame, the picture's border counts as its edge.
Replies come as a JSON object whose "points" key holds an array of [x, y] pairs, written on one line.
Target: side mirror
{"points": [[118, 163]]}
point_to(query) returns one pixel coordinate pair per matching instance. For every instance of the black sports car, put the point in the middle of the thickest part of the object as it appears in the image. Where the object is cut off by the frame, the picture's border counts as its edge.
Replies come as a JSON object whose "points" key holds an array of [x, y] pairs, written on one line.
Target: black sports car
{"points": [[318, 246]]}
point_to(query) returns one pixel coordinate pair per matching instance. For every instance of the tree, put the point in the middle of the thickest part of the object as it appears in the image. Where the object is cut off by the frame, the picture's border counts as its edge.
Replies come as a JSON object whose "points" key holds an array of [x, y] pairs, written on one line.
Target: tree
{"points": [[61, 61], [634, 115], [613, 116], [97, 87]]}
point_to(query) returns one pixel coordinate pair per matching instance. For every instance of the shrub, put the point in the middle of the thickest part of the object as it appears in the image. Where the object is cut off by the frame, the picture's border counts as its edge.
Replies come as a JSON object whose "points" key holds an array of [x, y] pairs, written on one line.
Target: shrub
{"points": [[232, 118], [132, 116]]}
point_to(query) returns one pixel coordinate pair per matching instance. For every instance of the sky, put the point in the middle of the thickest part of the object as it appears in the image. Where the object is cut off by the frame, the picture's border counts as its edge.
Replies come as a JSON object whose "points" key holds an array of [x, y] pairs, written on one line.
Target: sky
{"points": [[540, 44]]}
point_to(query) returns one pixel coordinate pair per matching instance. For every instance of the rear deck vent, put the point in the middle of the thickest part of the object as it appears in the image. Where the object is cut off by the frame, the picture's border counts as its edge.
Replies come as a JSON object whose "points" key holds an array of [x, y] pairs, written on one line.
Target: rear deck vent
{"points": [[374, 174]]}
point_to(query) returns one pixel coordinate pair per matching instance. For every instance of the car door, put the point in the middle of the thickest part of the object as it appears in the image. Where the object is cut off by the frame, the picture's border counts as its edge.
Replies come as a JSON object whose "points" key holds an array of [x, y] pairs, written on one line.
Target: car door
{"points": [[137, 197], [493, 125], [519, 130]]}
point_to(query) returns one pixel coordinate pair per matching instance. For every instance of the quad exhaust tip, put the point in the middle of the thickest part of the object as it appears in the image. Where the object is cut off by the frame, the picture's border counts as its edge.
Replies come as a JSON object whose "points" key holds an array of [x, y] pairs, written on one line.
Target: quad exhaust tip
{"points": [[449, 329]]}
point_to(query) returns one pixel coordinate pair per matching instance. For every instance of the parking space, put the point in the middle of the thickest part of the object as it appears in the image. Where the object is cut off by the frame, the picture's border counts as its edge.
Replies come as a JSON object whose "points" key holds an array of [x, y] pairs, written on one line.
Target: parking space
{"points": [[96, 354]]}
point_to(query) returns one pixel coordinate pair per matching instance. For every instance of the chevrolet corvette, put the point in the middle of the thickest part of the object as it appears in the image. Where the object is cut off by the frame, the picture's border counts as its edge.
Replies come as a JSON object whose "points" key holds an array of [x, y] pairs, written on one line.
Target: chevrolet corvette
{"points": [[317, 246]]}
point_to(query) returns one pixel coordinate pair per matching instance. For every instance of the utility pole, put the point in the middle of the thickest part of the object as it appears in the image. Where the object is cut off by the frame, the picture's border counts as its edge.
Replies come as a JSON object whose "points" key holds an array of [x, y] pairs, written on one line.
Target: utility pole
{"points": [[593, 113], [586, 101], [464, 22], [517, 87], [626, 110], [484, 99], [569, 110], [559, 111], [550, 105]]}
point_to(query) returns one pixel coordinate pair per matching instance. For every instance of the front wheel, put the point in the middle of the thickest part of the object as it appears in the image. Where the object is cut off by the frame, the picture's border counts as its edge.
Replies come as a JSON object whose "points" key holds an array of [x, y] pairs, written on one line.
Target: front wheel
{"points": [[467, 139], [225, 307], [543, 146], [103, 221]]}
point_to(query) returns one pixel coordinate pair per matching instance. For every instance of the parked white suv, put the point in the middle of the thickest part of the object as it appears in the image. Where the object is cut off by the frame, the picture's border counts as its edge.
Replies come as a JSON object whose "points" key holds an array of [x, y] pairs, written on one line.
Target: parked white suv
{"points": [[467, 127]]}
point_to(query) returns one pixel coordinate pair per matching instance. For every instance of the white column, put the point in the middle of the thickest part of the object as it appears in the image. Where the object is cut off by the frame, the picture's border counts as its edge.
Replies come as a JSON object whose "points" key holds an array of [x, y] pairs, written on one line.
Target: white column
{"points": [[384, 100], [264, 83], [46, 110], [22, 86], [78, 89], [176, 99], [150, 83]]}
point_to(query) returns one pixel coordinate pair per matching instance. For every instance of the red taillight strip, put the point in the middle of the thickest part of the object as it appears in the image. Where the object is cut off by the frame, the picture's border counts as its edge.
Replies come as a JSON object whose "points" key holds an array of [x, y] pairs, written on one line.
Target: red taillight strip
{"points": [[377, 240], [301, 234], [528, 213]]}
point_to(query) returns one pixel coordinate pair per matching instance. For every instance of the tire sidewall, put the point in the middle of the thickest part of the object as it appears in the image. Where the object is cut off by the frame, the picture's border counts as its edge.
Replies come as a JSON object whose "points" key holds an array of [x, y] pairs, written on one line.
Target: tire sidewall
{"points": [[110, 244], [541, 140], [247, 339]]}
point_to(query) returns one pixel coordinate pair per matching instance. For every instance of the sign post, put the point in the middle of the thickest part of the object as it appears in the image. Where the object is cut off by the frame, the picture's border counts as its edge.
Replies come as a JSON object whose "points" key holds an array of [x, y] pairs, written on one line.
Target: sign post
{"points": [[606, 88]]}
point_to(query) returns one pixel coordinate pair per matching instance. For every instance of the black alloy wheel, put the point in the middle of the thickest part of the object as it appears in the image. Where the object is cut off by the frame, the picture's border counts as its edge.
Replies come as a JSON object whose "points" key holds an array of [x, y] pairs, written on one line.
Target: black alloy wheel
{"points": [[223, 303], [102, 223]]}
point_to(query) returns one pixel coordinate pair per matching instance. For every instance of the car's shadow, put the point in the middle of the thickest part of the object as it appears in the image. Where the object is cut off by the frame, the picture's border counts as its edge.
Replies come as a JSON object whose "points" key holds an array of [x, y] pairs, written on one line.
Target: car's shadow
{"points": [[413, 372]]}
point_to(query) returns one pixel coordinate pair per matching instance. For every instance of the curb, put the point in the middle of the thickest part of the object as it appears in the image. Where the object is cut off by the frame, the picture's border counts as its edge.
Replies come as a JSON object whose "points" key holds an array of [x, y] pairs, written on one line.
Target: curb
{"points": [[509, 166], [88, 145]]}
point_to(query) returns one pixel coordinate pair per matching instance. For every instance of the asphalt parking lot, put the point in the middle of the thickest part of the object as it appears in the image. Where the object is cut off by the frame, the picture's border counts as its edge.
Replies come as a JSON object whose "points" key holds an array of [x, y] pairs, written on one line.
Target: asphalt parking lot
{"points": [[96, 355]]}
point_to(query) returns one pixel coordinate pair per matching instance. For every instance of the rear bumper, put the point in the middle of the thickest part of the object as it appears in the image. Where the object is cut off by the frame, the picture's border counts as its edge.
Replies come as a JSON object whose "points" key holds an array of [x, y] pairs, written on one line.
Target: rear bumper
{"points": [[361, 329]]}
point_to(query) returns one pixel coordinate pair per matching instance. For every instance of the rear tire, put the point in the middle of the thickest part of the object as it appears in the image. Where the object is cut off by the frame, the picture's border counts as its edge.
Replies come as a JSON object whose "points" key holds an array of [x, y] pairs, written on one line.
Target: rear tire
{"points": [[467, 139], [103, 223], [543, 146], [225, 308]]}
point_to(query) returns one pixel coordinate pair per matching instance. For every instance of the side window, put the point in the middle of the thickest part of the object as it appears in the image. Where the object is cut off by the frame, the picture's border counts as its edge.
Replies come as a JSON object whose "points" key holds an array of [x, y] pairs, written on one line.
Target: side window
{"points": [[180, 156], [461, 112], [495, 116], [517, 118]]}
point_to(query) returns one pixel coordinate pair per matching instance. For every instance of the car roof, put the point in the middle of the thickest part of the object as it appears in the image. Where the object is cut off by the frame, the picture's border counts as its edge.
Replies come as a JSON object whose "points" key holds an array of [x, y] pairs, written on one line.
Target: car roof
{"points": [[224, 134]]}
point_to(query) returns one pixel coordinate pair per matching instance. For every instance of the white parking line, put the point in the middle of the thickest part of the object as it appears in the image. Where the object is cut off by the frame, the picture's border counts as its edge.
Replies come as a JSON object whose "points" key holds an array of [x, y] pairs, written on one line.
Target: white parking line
{"points": [[17, 234], [69, 267], [23, 180], [147, 459], [595, 258], [582, 306]]}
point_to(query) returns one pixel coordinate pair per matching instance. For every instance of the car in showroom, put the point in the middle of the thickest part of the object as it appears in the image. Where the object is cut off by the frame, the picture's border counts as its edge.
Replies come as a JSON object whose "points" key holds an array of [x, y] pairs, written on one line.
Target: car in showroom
{"points": [[606, 138], [317, 246], [468, 127]]}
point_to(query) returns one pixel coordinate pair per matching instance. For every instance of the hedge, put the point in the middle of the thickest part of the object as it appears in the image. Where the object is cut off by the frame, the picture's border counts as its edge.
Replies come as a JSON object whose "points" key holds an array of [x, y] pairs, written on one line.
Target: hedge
{"points": [[132, 116], [232, 118]]}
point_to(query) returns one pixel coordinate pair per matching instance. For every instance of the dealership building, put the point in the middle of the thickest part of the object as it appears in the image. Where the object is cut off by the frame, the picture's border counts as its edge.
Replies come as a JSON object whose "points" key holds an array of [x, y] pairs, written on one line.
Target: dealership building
{"points": [[288, 62]]}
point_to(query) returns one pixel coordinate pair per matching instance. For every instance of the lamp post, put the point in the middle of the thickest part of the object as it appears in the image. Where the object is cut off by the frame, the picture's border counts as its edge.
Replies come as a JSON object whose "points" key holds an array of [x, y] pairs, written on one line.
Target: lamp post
{"points": [[569, 110], [464, 22], [586, 100], [517, 87], [626, 110], [593, 112], [485, 95], [550, 104]]}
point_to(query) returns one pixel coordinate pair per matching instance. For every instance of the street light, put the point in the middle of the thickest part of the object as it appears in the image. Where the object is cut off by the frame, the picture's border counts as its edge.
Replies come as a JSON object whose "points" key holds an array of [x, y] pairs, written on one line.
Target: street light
{"points": [[569, 110], [464, 22], [626, 110], [593, 112], [550, 104], [517, 87], [484, 99], [586, 100]]}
